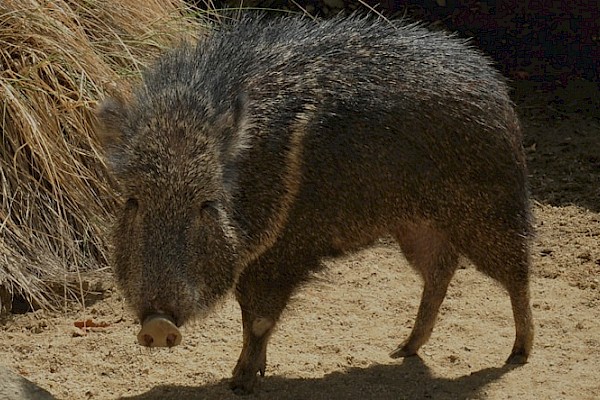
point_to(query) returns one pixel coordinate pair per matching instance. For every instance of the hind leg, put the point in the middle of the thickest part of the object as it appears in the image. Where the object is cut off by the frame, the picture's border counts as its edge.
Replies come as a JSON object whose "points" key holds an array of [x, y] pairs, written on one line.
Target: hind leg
{"points": [[430, 252], [519, 298], [505, 258]]}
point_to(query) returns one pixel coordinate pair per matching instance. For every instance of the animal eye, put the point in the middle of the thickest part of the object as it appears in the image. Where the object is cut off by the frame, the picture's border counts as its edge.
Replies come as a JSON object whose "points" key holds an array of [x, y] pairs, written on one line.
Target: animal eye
{"points": [[131, 204]]}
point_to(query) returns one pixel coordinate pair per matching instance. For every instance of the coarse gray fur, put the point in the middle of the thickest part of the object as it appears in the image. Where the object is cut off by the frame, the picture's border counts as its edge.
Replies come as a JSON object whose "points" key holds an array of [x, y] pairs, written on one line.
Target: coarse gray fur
{"points": [[246, 159]]}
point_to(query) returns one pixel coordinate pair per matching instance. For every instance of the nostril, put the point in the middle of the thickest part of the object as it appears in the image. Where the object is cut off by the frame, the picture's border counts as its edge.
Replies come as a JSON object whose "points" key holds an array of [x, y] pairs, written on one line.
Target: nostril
{"points": [[147, 340], [172, 339]]}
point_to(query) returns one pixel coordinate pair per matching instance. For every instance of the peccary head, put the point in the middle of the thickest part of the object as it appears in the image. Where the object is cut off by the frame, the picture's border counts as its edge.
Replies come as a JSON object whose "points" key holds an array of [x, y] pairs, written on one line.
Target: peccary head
{"points": [[175, 239]]}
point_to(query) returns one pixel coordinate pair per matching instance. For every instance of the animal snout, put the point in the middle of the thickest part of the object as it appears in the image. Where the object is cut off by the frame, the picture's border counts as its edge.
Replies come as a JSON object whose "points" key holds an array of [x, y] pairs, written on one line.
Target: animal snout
{"points": [[159, 330]]}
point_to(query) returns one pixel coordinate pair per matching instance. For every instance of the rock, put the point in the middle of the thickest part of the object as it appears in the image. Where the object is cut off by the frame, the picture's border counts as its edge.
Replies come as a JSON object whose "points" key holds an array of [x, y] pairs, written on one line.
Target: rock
{"points": [[15, 387]]}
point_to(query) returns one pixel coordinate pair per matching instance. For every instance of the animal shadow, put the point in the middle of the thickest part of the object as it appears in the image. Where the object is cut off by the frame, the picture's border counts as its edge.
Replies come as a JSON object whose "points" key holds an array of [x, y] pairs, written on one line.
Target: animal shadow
{"points": [[411, 379]]}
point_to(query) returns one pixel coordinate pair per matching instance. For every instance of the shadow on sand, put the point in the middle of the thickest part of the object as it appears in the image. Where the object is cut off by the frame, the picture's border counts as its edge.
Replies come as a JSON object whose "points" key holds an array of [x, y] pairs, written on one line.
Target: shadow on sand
{"points": [[411, 379]]}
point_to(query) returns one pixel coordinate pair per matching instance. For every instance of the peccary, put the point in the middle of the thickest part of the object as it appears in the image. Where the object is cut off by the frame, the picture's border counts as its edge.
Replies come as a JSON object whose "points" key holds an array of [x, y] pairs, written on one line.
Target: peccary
{"points": [[246, 159]]}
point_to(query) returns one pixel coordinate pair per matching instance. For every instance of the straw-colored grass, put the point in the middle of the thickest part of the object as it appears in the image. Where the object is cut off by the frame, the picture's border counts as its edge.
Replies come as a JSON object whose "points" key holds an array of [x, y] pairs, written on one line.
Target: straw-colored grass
{"points": [[57, 59]]}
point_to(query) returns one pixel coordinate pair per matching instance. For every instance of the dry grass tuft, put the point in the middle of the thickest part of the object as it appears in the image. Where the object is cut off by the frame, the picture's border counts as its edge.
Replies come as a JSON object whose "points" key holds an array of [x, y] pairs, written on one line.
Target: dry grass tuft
{"points": [[57, 58]]}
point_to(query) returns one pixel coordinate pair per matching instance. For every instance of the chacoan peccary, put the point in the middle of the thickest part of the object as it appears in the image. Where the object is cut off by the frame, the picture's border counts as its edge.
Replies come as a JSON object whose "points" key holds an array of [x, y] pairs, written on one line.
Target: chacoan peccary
{"points": [[247, 158]]}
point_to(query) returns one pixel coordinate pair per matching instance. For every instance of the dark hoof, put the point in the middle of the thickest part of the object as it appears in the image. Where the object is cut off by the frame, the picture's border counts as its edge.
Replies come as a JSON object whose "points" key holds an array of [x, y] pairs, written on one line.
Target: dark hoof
{"points": [[403, 351], [243, 386], [517, 358]]}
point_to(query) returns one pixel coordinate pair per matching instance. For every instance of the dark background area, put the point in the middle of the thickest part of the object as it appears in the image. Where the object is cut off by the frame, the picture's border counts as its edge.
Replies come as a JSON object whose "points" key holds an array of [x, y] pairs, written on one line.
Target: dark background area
{"points": [[550, 52], [548, 41]]}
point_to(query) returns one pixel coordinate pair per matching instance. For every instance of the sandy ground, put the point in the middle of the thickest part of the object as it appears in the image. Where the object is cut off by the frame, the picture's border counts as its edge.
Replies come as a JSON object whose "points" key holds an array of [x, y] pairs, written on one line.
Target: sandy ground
{"points": [[333, 342]]}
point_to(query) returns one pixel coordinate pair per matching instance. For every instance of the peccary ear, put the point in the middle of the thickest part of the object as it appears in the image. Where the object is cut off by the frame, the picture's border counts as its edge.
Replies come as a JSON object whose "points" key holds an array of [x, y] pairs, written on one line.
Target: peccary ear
{"points": [[111, 115], [236, 119], [237, 139]]}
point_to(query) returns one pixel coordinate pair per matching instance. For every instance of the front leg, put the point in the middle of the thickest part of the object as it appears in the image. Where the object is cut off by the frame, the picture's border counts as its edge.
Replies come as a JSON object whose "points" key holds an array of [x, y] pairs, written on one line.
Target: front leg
{"points": [[253, 358], [263, 291]]}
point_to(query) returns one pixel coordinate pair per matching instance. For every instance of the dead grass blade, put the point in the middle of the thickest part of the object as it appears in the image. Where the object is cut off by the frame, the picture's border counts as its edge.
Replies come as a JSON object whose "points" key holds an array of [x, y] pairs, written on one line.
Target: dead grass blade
{"points": [[56, 60]]}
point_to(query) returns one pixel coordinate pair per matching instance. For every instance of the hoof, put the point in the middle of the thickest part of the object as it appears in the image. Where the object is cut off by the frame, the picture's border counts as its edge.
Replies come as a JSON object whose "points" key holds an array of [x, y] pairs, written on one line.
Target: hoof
{"points": [[402, 351], [246, 380], [243, 386], [517, 358]]}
